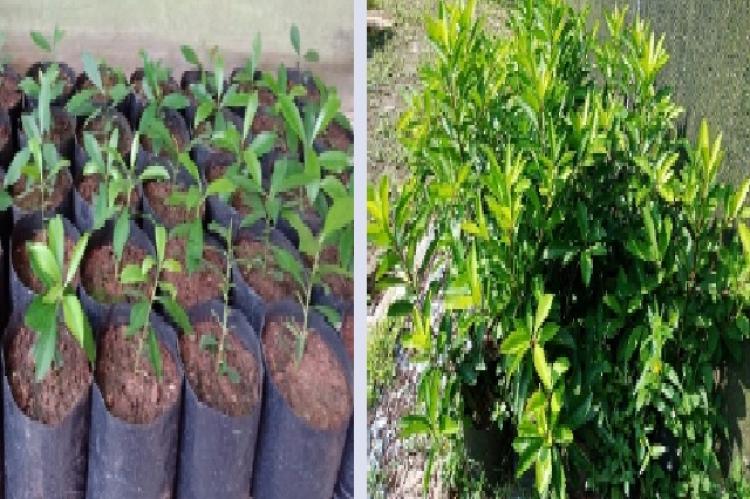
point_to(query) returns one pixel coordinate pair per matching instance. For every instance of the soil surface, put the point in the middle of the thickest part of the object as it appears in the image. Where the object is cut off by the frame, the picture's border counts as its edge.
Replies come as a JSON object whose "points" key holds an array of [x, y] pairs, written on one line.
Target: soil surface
{"points": [[265, 277], [52, 399], [31, 200], [347, 334], [339, 285], [170, 215], [88, 186], [214, 389], [10, 94], [335, 137], [98, 274], [134, 397], [101, 127], [202, 285], [22, 264], [5, 134], [316, 388]]}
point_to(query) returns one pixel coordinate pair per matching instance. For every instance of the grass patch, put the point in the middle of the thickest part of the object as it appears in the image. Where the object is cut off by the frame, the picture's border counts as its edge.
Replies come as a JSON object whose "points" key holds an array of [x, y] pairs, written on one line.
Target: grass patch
{"points": [[381, 358]]}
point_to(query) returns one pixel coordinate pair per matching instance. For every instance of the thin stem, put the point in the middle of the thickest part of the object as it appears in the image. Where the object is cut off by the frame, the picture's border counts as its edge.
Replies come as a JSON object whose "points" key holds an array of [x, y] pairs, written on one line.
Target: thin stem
{"points": [[144, 330], [227, 274]]}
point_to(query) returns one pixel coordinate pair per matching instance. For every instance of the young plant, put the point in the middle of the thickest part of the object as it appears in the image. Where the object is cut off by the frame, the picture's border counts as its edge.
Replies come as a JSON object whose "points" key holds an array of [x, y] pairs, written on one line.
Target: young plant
{"points": [[159, 291], [152, 120], [31, 85], [118, 181], [219, 345], [194, 200], [310, 55], [102, 98], [48, 44], [338, 217], [38, 162], [48, 265], [247, 73]]}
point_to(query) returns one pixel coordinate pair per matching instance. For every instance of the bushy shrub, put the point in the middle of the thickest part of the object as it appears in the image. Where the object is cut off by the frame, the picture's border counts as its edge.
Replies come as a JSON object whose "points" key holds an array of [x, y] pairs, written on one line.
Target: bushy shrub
{"points": [[561, 242]]}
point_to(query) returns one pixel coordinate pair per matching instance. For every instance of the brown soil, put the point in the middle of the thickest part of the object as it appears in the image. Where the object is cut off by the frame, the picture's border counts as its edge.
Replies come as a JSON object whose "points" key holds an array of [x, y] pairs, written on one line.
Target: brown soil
{"points": [[316, 388], [5, 133], [22, 264], [89, 186], [347, 334], [214, 389], [10, 94], [101, 127], [32, 200], [52, 399], [99, 278], [202, 285], [340, 285], [63, 128], [266, 278], [336, 137], [177, 132], [266, 98], [266, 122], [158, 193], [134, 397], [312, 95]]}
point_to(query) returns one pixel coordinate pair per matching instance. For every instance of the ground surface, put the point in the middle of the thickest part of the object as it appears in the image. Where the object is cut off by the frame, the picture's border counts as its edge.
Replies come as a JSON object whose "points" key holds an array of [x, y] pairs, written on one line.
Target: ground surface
{"points": [[396, 466]]}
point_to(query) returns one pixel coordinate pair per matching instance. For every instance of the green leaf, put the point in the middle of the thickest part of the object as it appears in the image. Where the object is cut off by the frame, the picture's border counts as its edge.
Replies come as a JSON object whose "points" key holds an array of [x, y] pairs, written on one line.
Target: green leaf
{"points": [[587, 266], [42, 318], [744, 239], [189, 54], [308, 244], [74, 318], [132, 274], [291, 115], [139, 313], [204, 110], [543, 471], [56, 240], [289, 264], [161, 241], [154, 355], [527, 450], [340, 214], [330, 109], [76, 256], [20, 160], [542, 310], [44, 265], [517, 343], [121, 234], [413, 425], [91, 68], [294, 37], [195, 243], [263, 143], [154, 172], [41, 41], [221, 185], [177, 314], [542, 368], [175, 101], [312, 56], [171, 265], [208, 342]]}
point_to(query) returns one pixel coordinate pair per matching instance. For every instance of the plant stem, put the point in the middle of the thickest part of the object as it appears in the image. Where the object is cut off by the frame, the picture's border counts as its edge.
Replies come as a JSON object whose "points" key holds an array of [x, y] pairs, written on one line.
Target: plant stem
{"points": [[144, 330], [227, 277]]}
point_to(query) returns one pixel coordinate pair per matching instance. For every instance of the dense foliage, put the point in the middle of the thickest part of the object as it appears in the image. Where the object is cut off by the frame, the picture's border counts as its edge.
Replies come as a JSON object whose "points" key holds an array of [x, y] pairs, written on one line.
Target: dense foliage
{"points": [[572, 266]]}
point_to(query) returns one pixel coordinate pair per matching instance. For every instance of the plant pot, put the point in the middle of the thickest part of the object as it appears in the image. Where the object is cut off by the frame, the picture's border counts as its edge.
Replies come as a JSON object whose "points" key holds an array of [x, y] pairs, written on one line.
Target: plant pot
{"points": [[216, 448], [345, 482], [11, 96], [250, 297], [155, 196], [21, 283], [99, 261], [299, 456], [42, 459], [59, 203], [69, 84], [137, 101], [204, 284], [134, 459]]}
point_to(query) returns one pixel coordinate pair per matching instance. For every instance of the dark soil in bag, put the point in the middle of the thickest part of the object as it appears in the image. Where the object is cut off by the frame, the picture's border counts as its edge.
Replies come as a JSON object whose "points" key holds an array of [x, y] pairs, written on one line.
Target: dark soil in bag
{"points": [[101, 128], [66, 74], [62, 133], [11, 95], [266, 97], [306, 411], [29, 201], [100, 283], [137, 100], [110, 77], [24, 284], [84, 195], [178, 132], [46, 424], [134, 414], [334, 138], [220, 416], [258, 279], [307, 80], [202, 285]]}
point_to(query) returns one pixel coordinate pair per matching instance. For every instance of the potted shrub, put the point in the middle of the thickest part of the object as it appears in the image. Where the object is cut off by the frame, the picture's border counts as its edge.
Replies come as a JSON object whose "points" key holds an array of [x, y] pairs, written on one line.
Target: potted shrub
{"points": [[38, 177], [47, 351], [65, 79], [134, 430], [224, 373]]}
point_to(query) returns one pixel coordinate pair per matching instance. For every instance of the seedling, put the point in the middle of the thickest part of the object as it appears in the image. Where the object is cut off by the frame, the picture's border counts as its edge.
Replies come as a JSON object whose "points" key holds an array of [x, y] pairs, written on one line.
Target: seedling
{"points": [[310, 55], [159, 291], [247, 73], [118, 182], [103, 98], [48, 44], [194, 199], [47, 264], [340, 215], [31, 86], [152, 120], [209, 342], [38, 161]]}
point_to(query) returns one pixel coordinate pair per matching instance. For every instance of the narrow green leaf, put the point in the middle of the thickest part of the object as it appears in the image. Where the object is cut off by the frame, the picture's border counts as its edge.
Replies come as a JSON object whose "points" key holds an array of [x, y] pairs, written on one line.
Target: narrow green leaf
{"points": [[542, 310], [294, 37], [76, 256], [154, 354], [542, 368], [340, 214], [121, 234], [91, 68]]}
